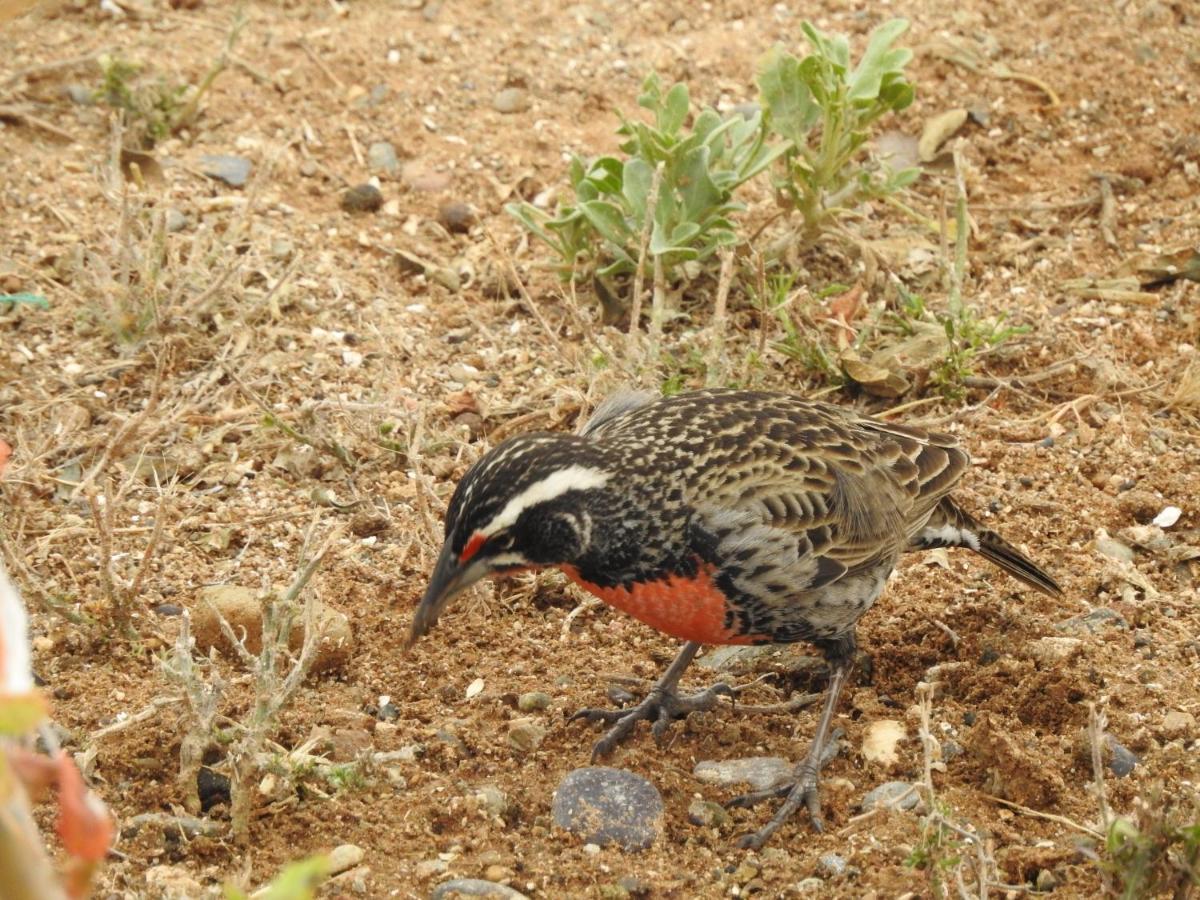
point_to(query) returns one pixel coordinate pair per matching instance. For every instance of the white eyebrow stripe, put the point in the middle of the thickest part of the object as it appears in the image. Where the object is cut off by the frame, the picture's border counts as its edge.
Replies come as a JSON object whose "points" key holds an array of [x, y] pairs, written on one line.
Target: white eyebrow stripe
{"points": [[572, 478]]}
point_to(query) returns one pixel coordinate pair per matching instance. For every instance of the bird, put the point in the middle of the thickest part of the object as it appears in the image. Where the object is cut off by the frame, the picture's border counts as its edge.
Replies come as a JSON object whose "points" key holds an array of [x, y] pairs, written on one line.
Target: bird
{"points": [[718, 516]]}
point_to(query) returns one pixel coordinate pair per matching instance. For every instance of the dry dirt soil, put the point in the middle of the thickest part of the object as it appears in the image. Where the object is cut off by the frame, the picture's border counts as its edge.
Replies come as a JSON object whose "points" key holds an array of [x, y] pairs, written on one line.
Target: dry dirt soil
{"points": [[223, 373]]}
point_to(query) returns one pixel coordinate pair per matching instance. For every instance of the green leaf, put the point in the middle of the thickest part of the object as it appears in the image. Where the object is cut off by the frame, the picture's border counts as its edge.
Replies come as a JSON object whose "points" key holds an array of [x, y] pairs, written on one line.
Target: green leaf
{"points": [[639, 175], [608, 220], [674, 110], [297, 881], [27, 298], [878, 60], [606, 173], [684, 232], [786, 95], [532, 218], [696, 188]]}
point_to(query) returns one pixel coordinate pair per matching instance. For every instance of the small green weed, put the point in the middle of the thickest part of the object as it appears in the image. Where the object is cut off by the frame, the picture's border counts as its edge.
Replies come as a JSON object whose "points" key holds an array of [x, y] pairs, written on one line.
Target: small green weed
{"points": [[153, 110], [1156, 853], [967, 336], [824, 109], [673, 191]]}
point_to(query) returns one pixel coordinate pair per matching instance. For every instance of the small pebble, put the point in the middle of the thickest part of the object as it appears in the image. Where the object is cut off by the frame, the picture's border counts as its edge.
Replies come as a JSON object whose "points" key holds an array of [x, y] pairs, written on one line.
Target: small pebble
{"points": [[1123, 759], [832, 865], [808, 886], [532, 701], [525, 734], [474, 887], [233, 170], [1177, 724], [1051, 651], [343, 857], [175, 221], [362, 198], [707, 814], [456, 217], [760, 772], [1046, 881], [381, 157], [213, 788], [511, 100], [168, 609], [1093, 621], [427, 868], [609, 806], [888, 794], [492, 799], [80, 95]]}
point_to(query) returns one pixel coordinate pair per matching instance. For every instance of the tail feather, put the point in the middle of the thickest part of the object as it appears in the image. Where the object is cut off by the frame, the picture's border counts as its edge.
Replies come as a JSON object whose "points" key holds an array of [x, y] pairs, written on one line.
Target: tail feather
{"points": [[949, 526]]}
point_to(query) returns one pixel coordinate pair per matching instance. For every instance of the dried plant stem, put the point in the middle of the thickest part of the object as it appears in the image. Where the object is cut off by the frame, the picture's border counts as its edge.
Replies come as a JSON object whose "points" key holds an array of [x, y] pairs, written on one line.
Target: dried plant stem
{"points": [[717, 364], [1096, 726], [958, 268], [639, 275]]}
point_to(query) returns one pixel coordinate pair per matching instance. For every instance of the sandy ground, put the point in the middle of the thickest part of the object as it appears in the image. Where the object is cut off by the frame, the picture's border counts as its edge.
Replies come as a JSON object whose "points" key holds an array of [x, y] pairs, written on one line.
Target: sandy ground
{"points": [[272, 370]]}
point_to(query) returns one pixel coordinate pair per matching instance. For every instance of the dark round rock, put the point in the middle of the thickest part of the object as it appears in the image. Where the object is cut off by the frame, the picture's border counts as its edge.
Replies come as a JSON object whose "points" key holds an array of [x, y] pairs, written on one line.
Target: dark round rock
{"points": [[213, 788], [169, 609], [456, 217], [609, 806], [362, 198]]}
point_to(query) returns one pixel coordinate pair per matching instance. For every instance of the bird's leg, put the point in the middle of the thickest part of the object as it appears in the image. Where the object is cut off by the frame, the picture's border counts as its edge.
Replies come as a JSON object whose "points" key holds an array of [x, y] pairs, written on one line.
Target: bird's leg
{"points": [[661, 706], [802, 789]]}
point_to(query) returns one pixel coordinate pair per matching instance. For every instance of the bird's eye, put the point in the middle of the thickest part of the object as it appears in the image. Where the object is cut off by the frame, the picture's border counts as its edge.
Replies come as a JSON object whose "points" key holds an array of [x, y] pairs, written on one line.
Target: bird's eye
{"points": [[502, 541]]}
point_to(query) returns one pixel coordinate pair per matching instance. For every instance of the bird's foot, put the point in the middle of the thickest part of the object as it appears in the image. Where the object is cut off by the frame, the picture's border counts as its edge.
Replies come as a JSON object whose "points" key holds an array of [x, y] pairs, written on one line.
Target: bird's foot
{"points": [[660, 708], [802, 790]]}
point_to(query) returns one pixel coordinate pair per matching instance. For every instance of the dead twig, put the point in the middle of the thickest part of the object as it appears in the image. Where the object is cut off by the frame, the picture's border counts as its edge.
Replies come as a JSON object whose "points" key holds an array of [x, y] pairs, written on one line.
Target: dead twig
{"points": [[635, 308]]}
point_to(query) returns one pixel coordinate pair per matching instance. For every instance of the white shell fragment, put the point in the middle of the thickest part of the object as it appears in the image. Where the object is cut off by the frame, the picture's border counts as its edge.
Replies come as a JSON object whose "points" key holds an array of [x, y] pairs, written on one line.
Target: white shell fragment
{"points": [[1168, 517]]}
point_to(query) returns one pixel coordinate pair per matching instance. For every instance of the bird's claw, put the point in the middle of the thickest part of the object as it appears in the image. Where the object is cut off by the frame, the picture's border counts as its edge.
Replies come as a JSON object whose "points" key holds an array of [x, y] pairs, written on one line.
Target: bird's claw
{"points": [[803, 791], [660, 708]]}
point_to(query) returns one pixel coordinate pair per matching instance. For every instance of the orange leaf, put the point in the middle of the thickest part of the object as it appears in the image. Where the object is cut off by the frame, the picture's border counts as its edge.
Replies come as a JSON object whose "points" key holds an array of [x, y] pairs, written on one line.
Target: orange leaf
{"points": [[84, 825], [5, 453]]}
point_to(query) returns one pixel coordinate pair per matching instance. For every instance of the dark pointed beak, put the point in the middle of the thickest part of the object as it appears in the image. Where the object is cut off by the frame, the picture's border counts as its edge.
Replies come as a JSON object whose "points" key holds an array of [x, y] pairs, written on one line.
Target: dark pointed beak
{"points": [[450, 578]]}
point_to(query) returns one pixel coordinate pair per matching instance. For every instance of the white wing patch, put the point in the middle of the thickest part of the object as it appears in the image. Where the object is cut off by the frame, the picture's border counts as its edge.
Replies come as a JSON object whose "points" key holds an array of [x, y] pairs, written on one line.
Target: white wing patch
{"points": [[950, 535], [571, 478]]}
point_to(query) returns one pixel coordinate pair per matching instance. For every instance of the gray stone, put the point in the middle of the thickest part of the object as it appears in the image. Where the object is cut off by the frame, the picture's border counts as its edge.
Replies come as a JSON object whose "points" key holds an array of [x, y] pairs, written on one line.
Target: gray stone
{"points": [[1093, 621], [492, 799], [175, 221], [1123, 759], [475, 887], [511, 100], [532, 701], [80, 95], [381, 157], [525, 734], [233, 170], [344, 857], [739, 660], [609, 806], [832, 865], [760, 772], [707, 814], [362, 198], [888, 794]]}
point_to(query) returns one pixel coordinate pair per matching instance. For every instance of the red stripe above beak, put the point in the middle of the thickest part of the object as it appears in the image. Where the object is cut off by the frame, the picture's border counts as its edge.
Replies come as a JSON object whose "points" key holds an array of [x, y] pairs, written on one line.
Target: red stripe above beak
{"points": [[472, 548]]}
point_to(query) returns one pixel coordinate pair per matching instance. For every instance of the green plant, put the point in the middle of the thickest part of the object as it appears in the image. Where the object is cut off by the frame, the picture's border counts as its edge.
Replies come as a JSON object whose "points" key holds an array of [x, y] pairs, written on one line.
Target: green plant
{"points": [[158, 109], [672, 194], [152, 109], [800, 342], [967, 336], [823, 109], [298, 881], [1155, 853]]}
